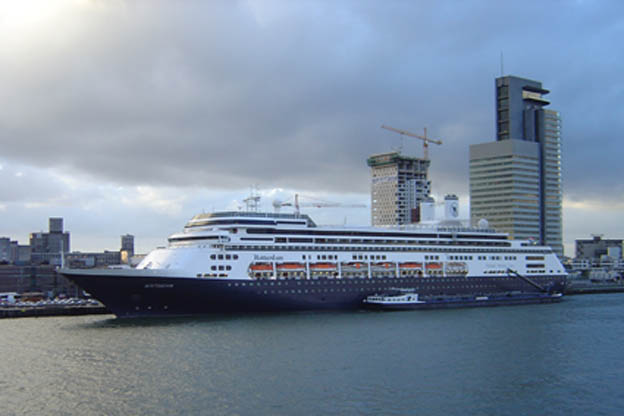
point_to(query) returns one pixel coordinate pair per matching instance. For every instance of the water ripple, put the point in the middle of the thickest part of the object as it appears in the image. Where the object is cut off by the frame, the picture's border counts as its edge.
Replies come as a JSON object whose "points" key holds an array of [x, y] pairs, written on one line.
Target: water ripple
{"points": [[543, 359]]}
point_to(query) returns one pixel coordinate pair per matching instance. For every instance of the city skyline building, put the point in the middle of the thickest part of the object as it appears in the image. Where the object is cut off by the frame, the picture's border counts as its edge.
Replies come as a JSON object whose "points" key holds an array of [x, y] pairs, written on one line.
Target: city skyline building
{"points": [[398, 185], [597, 247], [11, 252], [127, 243], [515, 181], [5, 250], [44, 248], [47, 247], [127, 248]]}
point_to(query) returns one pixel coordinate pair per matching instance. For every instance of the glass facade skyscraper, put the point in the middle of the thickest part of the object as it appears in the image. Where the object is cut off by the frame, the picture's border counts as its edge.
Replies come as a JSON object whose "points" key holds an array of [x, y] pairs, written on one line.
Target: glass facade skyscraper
{"points": [[515, 182]]}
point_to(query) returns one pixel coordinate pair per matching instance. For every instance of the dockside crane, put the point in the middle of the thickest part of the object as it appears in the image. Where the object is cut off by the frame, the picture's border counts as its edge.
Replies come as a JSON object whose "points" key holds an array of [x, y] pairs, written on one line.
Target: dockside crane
{"points": [[313, 204], [426, 140]]}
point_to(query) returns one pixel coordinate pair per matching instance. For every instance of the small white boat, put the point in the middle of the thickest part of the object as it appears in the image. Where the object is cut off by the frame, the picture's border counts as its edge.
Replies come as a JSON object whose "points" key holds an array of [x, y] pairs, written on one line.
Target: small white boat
{"points": [[400, 301]]}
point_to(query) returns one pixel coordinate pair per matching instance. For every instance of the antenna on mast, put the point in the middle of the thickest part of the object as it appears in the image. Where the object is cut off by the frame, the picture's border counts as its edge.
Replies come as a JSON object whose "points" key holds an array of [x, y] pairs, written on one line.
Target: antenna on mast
{"points": [[252, 202], [502, 64]]}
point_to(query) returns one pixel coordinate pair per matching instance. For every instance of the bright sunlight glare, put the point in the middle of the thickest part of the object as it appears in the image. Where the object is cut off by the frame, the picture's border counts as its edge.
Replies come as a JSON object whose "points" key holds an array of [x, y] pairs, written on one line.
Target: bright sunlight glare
{"points": [[22, 19]]}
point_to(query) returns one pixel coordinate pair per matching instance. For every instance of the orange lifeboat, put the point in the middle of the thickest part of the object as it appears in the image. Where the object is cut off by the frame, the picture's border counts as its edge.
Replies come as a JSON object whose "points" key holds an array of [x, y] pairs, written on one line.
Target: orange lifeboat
{"points": [[322, 266], [261, 267], [410, 266], [433, 266], [290, 267]]}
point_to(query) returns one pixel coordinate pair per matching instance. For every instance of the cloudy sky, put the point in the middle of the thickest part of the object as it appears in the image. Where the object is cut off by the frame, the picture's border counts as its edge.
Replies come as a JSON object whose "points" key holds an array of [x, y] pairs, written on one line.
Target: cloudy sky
{"points": [[132, 116]]}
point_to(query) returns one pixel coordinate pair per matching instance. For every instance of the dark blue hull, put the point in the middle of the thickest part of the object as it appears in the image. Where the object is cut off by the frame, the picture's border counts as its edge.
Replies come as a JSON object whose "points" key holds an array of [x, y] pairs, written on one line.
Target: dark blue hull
{"points": [[156, 296]]}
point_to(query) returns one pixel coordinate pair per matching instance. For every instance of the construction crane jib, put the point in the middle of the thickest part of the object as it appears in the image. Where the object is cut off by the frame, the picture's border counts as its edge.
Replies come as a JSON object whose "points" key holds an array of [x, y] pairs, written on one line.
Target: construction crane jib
{"points": [[426, 140], [314, 204]]}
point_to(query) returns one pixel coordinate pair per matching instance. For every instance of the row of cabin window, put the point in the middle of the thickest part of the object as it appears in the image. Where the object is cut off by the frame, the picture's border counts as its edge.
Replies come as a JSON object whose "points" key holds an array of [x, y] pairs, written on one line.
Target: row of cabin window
{"points": [[345, 248], [221, 267], [224, 257], [266, 292], [346, 282], [482, 257], [462, 258], [409, 242], [349, 235], [324, 257], [365, 257]]}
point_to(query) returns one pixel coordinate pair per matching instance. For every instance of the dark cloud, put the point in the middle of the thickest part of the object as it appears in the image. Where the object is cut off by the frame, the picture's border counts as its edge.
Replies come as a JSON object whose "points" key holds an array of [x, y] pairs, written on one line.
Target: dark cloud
{"points": [[292, 94]]}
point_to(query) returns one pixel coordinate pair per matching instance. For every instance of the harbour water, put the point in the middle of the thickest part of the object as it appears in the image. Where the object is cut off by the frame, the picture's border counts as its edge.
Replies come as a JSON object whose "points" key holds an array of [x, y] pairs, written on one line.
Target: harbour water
{"points": [[555, 359]]}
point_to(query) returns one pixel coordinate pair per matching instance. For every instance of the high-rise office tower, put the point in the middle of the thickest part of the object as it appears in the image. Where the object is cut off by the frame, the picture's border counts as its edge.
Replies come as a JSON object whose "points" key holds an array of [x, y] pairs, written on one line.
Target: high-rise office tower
{"points": [[127, 248], [127, 244], [515, 182], [399, 183]]}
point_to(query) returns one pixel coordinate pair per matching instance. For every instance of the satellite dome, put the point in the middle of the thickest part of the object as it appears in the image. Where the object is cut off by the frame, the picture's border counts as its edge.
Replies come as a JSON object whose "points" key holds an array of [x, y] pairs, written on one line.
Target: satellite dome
{"points": [[483, 223]]}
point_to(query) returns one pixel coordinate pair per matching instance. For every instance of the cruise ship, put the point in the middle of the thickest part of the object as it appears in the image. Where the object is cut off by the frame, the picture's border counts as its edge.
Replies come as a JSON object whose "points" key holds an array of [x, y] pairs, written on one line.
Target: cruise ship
{"points": [[236, 261]]}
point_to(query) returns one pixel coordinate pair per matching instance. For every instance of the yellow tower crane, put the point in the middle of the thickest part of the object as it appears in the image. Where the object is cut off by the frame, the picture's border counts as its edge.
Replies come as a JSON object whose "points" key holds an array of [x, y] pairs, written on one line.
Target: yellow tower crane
{"points": [[426, 140]]}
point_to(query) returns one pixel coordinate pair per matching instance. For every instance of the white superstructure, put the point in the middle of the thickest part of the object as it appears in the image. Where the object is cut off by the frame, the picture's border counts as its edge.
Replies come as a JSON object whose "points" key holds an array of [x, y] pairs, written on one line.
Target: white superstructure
{"points": [[251, 245]]}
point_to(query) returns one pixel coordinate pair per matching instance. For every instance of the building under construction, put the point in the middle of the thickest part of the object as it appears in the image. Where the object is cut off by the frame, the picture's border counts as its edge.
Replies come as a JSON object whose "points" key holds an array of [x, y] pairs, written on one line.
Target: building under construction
{"points": [[399, 184]]}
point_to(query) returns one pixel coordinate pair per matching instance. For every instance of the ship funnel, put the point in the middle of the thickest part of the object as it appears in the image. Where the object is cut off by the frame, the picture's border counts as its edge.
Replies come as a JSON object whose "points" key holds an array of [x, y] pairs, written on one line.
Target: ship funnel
{"points": [[427, 209], [451, 207]]}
